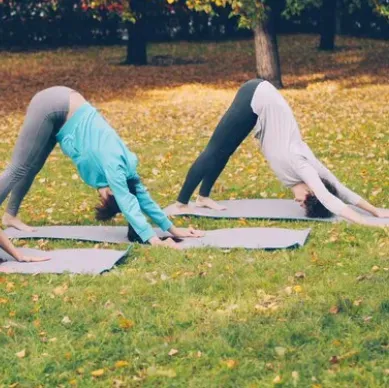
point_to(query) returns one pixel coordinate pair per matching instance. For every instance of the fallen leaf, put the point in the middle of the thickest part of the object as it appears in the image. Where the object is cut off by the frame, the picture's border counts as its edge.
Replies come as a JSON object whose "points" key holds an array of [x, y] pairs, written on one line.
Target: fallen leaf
{"points": [[173, 352], [280, 351], [21, 354], [230, 364], [98, 373], [125, 323], [288, 290], [60, 290], [299, 275], [334, 310], [121, 364], [66, 320], [277, 380], [334, 360], [297, 289]]}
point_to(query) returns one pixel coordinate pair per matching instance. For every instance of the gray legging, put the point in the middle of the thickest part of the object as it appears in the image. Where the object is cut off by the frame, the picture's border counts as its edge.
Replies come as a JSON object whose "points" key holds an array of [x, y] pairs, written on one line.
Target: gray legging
{"points": [[46, 114]]}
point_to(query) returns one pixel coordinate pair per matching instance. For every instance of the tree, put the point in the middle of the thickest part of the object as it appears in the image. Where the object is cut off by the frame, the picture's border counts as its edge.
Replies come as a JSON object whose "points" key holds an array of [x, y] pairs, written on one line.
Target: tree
{"points": [[328, 25], [329, 14], [136, 15], [258, 16]]}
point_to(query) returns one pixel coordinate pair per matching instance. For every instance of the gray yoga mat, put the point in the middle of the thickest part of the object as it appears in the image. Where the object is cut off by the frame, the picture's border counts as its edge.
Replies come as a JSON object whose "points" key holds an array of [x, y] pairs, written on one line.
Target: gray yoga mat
{"points": [[77, 261], [249, 238], [273, 209]]}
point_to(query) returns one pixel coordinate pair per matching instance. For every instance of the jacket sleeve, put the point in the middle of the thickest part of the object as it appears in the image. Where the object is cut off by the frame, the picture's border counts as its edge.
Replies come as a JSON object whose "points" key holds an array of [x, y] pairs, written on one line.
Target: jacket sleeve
{"points": [[128, 203], [150, 208], [311, 178]]}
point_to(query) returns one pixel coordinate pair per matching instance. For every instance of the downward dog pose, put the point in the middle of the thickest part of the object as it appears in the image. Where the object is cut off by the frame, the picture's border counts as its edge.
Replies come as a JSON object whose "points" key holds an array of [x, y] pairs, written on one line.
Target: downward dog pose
{"points": [[258, 104], [62, 115]]}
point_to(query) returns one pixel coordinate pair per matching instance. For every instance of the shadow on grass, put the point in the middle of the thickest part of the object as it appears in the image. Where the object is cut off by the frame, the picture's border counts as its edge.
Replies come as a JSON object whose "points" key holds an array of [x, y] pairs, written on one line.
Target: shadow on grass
{"points": [[96, 72]]}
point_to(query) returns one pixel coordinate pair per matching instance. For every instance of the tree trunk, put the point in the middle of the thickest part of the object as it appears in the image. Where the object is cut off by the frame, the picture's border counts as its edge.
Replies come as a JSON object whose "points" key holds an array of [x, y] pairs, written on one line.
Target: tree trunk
{"points": [[328, 25], [266, 52], [338, 17], [137, 43]]}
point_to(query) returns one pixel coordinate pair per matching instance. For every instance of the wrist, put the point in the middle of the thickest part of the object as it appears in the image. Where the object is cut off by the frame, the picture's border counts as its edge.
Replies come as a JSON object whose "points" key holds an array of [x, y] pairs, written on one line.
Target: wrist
{"points": [[172, 230], [17, 255], [374, 211], [154, 240]]}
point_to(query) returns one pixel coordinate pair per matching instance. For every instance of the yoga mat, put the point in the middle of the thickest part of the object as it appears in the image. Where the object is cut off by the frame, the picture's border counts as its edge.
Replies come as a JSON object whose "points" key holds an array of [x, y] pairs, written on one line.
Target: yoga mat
{"points": [[249, 238], [272, 209], [77, 261]]}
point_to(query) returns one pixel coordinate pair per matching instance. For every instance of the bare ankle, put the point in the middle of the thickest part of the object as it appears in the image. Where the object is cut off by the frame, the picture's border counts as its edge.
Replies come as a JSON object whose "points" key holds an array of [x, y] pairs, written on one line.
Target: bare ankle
{"points": [[7, 216]]}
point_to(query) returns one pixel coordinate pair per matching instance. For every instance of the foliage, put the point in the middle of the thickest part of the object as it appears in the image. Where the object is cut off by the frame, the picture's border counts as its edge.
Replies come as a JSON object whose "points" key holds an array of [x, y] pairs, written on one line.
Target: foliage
{"points": [[54, 22], [250, 12], [206, 318]]}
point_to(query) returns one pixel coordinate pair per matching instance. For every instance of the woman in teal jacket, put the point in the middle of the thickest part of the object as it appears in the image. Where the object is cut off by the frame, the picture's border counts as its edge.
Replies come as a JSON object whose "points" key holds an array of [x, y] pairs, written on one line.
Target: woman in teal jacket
{"points": [[62, 115]]}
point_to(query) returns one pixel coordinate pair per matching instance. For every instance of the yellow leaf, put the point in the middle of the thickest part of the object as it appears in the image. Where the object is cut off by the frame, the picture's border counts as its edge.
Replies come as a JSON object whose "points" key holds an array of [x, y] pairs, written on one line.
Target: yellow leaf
{"points": [[231, 364], [297, 289], [98, 373], [121, 364], [125, 323]]}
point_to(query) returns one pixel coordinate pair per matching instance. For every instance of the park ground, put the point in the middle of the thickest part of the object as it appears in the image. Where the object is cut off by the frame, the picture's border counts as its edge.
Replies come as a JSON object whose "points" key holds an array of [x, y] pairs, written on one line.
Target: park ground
{"points": [[312, 317]]}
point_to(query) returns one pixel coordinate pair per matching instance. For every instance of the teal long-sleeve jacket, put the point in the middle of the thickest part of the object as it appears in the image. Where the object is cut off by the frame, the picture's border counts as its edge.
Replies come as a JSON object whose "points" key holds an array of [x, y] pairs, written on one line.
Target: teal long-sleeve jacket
{"points": [[103, 160]]}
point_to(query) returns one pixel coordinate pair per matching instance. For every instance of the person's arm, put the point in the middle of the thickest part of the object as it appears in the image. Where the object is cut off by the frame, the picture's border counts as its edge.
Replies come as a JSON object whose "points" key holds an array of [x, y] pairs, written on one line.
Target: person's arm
{"points": [[310, 176], [150, 207], [9, 248], [347, 195], [128, 203]]}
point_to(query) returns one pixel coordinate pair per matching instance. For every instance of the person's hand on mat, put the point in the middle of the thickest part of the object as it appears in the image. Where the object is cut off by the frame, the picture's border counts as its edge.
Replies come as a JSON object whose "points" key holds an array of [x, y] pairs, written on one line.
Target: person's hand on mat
{"points": [[30, 259], [382, 213], [105, 192], [209, 203], [188, 232], [169, 243], [14, 222]]}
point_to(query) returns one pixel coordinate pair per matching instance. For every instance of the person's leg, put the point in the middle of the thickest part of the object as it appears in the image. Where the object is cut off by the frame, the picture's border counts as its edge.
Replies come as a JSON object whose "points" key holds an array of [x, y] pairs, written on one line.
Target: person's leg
{"points": [[22, 188], [232, 129], [44, 116]]}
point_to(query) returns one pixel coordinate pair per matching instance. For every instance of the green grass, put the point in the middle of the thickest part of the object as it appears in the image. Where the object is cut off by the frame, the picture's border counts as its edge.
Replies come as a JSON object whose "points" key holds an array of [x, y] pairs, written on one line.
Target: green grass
{"points": [[237, 318]]}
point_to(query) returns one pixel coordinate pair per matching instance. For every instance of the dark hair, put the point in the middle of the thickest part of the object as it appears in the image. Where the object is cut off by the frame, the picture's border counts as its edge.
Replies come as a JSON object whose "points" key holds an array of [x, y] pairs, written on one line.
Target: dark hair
{"points": [[108, 209], [314, 208]]}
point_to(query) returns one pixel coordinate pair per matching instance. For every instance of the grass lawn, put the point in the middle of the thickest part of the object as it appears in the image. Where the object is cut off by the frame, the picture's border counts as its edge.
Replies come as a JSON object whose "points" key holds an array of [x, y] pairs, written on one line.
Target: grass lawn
{"points": [[206, 318]]}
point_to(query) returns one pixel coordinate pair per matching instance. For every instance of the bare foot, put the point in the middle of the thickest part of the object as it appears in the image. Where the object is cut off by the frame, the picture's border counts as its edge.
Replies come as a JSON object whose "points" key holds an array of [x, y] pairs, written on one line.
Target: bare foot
{"points": [[183, 208], [209, 203], [14, 222]]}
